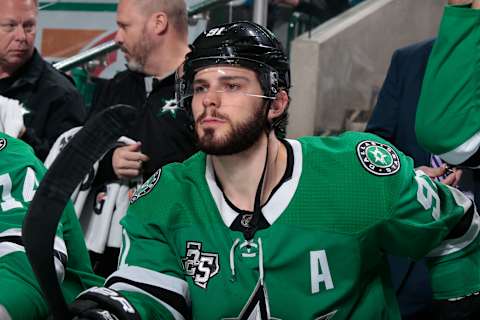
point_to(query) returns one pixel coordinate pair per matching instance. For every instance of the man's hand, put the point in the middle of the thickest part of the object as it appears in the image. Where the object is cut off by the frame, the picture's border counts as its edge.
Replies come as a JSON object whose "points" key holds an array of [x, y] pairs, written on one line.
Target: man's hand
{"points": [[127, 161], [452, 179], [476, 4]]}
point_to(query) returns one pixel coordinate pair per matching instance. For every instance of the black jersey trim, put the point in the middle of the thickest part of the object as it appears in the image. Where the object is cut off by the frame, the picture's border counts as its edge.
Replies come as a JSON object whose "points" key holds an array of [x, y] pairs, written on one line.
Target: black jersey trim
{"points": [[473, 161], [463, 225], [13, 239], [175, 300], [18, 241]]}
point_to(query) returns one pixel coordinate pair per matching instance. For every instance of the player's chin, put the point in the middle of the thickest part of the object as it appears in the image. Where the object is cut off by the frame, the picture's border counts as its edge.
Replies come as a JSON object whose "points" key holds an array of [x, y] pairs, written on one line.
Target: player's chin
{"points": [[210, 132], [211, 138]]}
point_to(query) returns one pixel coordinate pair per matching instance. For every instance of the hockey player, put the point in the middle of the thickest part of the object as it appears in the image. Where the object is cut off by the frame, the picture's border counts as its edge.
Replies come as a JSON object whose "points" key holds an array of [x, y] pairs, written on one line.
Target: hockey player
{"points": [[448, 121], [20, 294], [260, 227]]}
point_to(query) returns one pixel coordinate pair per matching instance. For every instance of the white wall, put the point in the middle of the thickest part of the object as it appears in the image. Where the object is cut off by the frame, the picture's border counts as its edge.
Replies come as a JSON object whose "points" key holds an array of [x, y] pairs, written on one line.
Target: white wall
{"points": [[343, 64]]}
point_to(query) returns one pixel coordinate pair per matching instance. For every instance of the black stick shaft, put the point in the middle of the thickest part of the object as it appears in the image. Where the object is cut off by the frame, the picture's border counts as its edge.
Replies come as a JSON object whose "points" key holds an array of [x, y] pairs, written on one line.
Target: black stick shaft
{"points": [[55, 189]]}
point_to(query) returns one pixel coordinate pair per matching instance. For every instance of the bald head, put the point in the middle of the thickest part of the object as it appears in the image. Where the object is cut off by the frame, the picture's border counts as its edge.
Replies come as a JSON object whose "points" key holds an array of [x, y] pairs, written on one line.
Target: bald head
{"points": [[16, 47], [176, 11]]}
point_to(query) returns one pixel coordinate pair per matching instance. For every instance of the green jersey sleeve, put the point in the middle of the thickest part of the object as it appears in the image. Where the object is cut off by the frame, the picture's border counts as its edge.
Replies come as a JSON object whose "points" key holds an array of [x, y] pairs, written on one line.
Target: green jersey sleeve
{"points": [[447, 122], [20, 173], [437, 221], [149, 273]]}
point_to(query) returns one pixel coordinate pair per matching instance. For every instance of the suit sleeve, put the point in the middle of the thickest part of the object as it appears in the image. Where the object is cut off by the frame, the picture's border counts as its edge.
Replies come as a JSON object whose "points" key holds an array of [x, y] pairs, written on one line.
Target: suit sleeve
{"points": [[447, 121], [383, 121]]}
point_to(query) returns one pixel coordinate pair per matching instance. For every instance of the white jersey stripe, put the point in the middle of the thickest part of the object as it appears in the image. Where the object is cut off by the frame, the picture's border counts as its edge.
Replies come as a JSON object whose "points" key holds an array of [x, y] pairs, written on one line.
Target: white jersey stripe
{"points": [[157, 279], [11, 232], [59, 244], [4, 315], [453, 245], [121, 286], [9, 247], [464, 151]]}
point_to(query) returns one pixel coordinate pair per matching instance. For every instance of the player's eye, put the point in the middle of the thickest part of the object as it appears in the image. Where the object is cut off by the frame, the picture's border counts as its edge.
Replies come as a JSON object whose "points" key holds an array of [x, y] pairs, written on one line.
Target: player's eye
{"points": [[232, 87], [198, 89]]}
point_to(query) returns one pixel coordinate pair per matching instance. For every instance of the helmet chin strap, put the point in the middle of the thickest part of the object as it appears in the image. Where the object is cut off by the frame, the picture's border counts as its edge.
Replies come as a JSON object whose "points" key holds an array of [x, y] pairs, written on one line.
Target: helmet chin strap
{"points": [[250, 231], [257, 205]]}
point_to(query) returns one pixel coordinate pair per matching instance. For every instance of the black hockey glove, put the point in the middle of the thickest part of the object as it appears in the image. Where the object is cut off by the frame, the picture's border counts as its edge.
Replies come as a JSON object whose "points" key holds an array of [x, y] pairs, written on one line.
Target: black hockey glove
{"points": [[466, 308], [102, 304]]}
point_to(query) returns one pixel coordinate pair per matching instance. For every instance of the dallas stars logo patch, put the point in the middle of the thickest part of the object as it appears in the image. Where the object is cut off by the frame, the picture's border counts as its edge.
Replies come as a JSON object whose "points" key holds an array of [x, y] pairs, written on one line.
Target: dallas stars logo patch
{"points": [[146, 187], [3, 143], [378, 158]]}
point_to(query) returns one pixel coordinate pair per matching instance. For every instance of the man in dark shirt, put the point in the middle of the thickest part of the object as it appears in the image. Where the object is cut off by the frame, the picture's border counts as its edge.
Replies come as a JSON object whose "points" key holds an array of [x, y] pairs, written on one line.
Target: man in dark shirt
{"points": [[52, 102], [153, 36]]}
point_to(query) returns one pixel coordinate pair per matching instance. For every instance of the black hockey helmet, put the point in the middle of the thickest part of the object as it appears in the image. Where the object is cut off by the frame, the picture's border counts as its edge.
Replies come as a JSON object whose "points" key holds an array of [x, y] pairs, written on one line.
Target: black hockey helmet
{"points": [[245, 44]]}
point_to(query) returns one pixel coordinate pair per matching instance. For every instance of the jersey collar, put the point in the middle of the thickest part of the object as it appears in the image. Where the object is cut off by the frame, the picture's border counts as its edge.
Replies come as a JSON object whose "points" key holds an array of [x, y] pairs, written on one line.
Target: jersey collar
{"points": [[277, 203]]}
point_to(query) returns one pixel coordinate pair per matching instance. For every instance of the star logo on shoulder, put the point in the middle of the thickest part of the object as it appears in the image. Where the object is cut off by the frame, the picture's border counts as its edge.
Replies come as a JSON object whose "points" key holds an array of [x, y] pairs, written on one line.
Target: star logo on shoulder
{"points": [[378, 158]]}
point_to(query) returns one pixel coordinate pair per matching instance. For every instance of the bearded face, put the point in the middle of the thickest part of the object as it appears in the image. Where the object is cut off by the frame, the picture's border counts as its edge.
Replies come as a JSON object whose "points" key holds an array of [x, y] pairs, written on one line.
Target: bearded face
{"points": [[132, 35], [229, 111], [240, 135]]}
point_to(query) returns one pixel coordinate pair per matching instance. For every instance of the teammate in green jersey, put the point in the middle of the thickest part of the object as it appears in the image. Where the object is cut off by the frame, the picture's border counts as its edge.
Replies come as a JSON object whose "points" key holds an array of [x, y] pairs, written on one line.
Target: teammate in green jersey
{"points": [[20, 294], [447, 120], [260, 227]]}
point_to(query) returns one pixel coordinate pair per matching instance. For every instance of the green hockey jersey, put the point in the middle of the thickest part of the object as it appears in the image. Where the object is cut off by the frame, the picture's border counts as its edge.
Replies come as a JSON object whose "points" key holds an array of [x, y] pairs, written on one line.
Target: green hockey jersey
{"points": [[20, 295], [447, 119], [321, 253]]}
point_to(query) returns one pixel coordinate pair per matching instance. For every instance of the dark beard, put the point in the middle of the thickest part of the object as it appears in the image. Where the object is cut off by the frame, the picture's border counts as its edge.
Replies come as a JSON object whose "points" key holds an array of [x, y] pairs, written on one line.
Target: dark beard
{"points": [[242, 136]]}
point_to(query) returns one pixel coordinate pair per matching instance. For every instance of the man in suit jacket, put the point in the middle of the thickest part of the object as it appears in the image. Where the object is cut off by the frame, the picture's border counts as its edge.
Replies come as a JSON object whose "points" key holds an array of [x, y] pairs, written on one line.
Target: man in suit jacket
{"points": [[393, 119]]}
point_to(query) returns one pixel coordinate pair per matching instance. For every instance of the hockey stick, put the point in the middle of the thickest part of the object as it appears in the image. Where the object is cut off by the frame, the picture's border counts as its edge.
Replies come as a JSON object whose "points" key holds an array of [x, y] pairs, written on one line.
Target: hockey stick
{"points": [[53, 193]]}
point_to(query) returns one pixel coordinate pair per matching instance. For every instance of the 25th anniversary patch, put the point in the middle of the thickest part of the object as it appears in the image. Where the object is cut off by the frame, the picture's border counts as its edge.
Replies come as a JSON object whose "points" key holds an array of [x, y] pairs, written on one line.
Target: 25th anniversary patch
{"points": [[3, 143], [378, 158]]}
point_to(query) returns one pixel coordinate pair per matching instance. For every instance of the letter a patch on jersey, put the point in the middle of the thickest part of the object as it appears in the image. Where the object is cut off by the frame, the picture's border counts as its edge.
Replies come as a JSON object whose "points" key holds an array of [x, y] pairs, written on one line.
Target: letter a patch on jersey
{"points": [[378, 158]]}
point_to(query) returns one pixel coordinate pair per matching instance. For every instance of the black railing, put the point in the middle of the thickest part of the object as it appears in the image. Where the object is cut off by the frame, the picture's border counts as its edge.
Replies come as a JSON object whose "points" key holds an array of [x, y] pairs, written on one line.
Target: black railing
{"points": [[104, 48]]}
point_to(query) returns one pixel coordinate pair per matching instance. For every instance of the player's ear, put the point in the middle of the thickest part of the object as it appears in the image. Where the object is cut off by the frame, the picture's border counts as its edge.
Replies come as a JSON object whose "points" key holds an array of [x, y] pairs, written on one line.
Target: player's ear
{"points": [[278, 106]]}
